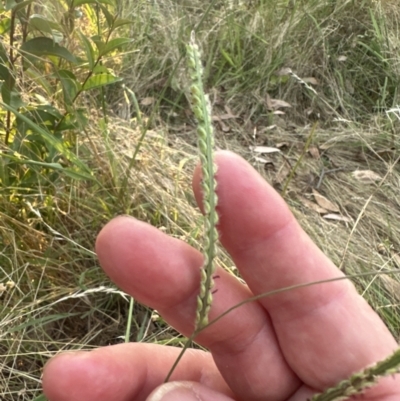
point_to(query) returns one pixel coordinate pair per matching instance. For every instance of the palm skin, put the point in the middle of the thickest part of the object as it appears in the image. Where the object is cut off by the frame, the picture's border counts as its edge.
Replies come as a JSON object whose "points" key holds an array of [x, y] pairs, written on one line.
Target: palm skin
{"points": [[284, 347]]}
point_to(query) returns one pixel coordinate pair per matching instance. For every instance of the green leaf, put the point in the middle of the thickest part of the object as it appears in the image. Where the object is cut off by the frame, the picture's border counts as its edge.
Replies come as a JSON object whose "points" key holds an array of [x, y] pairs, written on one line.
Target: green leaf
{"points": [[3, 54], [40, 23], [14, 6], [39, 321], [89, 50], [41, 397], [51, 140], [70, 86], [11, 96], [44, 116], [10, 4], [98, 80], [109, 17], [39, 79], [100, 69], [121, 21], [114, 44], [77, 3], [74, 120], [81, 117], [22, 5], [50, 110], [43, 46], [98, 41], [76, 175], [4, 72], [5, 25]]}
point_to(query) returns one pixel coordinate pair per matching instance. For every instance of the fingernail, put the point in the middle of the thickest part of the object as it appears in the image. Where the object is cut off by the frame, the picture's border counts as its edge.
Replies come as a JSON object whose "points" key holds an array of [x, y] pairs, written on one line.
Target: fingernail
{"points": [[174, 391]]}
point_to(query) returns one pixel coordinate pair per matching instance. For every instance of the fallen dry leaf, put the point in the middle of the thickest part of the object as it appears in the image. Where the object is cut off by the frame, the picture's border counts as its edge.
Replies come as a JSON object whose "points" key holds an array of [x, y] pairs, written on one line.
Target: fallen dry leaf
{"points": [[284, 71], [229, 112], [263, 149], [382, 249], [337, 217], [266, 163], [3, 288], [311, 80], [311, 205], [283, 145], [147, 101], [219, 120], [366, 176], [314, 152], [261, 160], [324, 202], [326, 146], [275, 104]]}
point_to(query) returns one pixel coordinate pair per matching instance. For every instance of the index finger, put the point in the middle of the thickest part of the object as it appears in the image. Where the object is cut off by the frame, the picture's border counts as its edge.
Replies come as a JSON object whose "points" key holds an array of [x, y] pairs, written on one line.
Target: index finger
{"points": [[326, 331]]}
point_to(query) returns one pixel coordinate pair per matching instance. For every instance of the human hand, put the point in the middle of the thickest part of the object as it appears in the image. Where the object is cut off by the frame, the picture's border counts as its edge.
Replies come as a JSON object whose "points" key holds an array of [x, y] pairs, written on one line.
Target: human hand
{"points": [[283, 347]]}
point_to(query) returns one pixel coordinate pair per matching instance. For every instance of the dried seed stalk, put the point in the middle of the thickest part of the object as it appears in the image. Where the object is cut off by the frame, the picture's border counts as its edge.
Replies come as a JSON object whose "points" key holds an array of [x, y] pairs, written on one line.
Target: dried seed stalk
{"points": [[360, 381], [202, 110]]}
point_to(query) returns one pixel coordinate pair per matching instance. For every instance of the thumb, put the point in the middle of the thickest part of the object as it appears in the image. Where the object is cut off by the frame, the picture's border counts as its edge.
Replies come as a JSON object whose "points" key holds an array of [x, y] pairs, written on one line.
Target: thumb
{"points": [[186, 391]]}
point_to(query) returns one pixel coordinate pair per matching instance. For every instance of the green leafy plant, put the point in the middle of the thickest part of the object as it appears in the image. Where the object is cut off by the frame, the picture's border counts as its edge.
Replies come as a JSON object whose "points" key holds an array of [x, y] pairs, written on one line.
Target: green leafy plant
{"points": [[46, 69]]}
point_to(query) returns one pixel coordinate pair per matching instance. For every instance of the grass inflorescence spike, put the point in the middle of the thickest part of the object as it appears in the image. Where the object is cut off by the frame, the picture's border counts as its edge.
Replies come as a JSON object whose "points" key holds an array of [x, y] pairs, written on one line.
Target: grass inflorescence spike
{"points": [[360, 381], [202, 110]]}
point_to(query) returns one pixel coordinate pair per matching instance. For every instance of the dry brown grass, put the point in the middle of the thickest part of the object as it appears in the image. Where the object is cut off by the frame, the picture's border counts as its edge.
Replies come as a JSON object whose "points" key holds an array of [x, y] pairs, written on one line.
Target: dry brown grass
{"points": [[368, 237], [366, 240]]}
